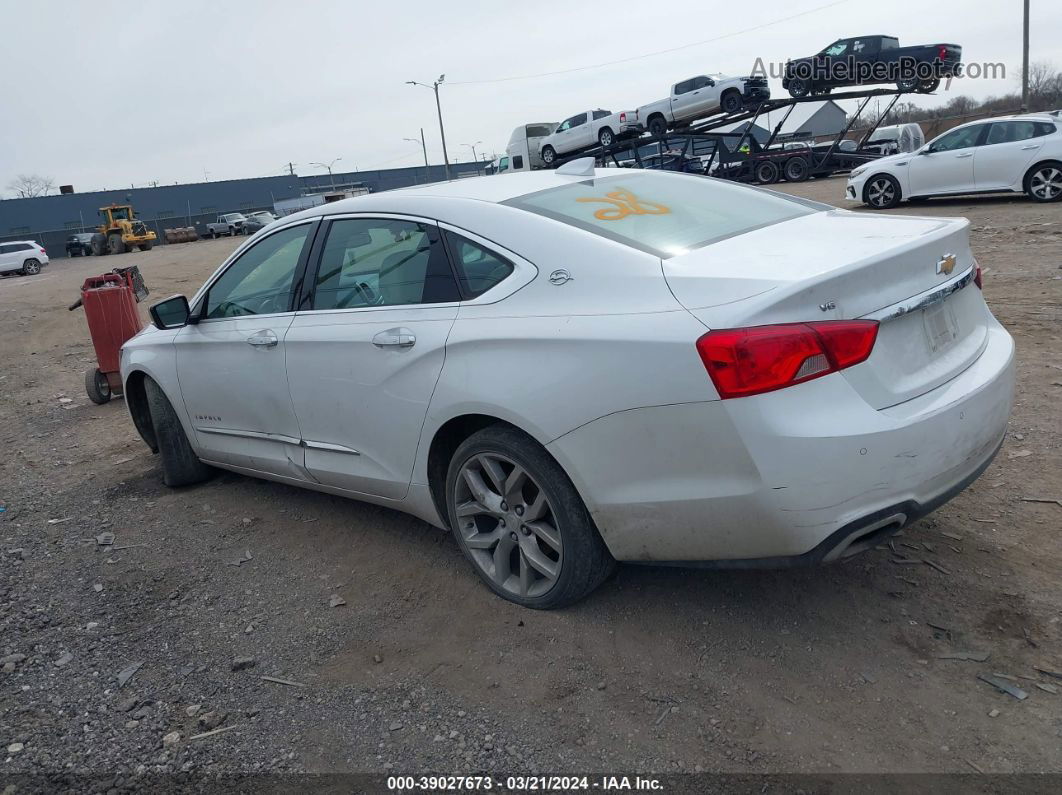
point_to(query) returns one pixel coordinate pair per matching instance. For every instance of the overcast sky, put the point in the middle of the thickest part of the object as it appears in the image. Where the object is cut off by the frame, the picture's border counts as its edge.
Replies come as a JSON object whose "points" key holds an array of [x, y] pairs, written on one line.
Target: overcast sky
{"points": [[105, 94]]}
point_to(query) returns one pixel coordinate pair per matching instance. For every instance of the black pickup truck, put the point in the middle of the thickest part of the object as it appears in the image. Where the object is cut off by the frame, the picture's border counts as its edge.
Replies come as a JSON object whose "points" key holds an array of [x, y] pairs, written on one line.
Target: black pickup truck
{"points": [[867, 60]]}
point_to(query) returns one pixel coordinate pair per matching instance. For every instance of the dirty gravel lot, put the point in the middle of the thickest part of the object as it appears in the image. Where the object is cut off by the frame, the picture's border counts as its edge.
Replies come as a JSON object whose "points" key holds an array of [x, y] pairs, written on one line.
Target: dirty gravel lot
{"points": [[839, 669]]}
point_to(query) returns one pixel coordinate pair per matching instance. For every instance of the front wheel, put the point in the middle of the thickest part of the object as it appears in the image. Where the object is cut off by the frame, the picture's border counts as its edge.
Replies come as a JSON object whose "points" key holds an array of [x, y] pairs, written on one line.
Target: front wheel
{"points": [[799, 87], [1043, 183], [180, 465], [731, 102], [519, 520], [146, 246], [882, 192], [548, 155], [97, 387], [605, 137]]}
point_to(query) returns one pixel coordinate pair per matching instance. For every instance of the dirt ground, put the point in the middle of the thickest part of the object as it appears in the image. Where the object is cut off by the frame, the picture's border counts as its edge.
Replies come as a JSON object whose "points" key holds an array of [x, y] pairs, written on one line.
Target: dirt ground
{"points": [[664, 670]]}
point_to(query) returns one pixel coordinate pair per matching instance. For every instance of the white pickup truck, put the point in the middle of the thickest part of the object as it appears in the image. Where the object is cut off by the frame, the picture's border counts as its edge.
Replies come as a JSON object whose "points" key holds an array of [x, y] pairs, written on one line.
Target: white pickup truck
{"points": [[587, 129], [701, 96], [227, 224]]}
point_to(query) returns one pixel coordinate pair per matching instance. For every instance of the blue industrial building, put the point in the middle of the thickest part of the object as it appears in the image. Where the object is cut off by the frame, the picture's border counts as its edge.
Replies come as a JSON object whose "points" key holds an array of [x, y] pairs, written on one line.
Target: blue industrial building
{"points": [[49, 219]]}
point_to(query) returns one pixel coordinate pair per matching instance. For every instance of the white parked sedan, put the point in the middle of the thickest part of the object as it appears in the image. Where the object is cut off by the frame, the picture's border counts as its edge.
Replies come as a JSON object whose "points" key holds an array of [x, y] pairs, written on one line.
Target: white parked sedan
{"points": [[1018, 154], [578, 366]]}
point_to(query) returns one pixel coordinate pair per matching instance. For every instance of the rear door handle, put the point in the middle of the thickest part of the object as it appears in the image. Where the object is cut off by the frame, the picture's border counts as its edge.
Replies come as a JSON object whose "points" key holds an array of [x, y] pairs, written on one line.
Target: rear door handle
{"points": [[263, 339], [965, 154], [395, 338], [1030, 146]]}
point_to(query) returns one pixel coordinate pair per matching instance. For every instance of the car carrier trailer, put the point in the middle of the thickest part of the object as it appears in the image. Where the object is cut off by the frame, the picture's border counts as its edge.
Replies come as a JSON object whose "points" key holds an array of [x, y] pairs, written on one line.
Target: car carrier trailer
{"points": [[738, 155]]}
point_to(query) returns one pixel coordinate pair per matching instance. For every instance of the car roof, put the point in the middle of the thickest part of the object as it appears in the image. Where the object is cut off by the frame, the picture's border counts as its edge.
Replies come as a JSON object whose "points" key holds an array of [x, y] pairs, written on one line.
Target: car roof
{"points": [[9, 242], [494, 189]]}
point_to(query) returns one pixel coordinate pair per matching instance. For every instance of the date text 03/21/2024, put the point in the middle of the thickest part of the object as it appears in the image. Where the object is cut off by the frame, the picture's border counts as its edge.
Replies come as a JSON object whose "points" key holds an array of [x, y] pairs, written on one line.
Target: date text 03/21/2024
{"points": [[522, 783]]}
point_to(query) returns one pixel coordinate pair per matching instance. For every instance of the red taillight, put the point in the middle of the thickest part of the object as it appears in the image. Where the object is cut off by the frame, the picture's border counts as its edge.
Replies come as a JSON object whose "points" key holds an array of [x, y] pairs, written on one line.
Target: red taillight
{"points": [[977, 278], [943, 53], [750, 361], [623, 117]]}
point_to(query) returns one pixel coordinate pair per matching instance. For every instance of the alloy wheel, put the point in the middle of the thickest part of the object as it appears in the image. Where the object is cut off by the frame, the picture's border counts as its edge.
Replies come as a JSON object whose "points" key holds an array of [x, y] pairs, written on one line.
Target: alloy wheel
{"points": [[1046, 183], [508, 525], [881, 193]]}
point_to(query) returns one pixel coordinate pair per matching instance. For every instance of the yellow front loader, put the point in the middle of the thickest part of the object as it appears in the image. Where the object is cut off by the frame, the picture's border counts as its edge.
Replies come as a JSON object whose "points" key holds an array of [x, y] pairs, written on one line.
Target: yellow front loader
{"points": [[121, 231]]}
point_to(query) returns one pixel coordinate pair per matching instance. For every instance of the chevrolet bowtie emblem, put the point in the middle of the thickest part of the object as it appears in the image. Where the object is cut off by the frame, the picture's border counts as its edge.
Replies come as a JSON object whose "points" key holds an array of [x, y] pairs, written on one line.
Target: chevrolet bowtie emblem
{"points": [[946, 264]]}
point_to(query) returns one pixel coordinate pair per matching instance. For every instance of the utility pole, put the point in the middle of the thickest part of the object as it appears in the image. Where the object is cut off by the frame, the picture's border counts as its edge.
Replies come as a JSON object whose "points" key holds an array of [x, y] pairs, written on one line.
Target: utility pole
{"points": [[1025, 62], [291, 168], [438, 107]]}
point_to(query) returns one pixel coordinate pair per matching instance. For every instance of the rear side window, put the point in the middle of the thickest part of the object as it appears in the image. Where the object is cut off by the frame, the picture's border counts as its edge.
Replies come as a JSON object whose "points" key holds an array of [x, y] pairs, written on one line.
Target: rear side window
{"points": [[663, 214], [383, 262], [477, 268], [600, 114]]}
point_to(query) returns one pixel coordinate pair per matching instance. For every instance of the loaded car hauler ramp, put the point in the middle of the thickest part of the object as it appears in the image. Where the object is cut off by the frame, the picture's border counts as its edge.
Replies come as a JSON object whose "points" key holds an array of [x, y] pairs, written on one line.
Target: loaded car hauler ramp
{"points": [[705, 148]]}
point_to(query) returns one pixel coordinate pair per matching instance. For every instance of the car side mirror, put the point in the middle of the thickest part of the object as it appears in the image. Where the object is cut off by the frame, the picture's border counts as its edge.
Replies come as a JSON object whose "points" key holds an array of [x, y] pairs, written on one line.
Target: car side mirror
{"points": [[926, 151], [171, 313], [711, 82]]}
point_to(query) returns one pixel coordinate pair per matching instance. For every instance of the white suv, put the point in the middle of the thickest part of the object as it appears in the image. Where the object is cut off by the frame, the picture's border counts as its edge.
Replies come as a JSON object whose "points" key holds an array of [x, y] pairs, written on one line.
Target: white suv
{"points": [[22, 256], [1018, 154]]}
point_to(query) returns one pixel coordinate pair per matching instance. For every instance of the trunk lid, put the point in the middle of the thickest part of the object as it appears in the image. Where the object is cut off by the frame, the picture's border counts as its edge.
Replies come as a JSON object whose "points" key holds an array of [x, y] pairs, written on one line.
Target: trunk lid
{"points": [[841, 265]]}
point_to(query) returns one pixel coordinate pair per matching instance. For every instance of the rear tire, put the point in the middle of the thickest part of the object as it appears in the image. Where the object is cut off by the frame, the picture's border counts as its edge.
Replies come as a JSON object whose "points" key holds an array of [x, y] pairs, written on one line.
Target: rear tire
{"points": [[657, 126], [908, 85], [929, 86], [99, 248], [605, 137], [549, 154], [115, 244], [1043, 182], [180, 465], [767, 172], [796, 169], [97, 387], [731, 102], [561, 536], [31, 267]]}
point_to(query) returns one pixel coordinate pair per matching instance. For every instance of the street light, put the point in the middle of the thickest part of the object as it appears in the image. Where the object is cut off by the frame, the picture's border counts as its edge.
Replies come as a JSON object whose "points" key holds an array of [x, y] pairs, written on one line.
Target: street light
{"points": [[328, 166], [473, 148], [422, 146], [442, 133]]}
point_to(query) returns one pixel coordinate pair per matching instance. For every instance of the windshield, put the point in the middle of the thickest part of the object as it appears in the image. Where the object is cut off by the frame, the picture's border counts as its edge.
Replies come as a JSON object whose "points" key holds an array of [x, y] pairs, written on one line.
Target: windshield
{"points": [[663, 214]]}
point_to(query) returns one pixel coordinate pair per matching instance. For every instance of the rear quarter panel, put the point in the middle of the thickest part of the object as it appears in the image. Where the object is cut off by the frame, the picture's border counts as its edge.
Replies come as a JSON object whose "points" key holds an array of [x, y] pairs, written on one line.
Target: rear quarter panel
{"points": [[549, 358]]}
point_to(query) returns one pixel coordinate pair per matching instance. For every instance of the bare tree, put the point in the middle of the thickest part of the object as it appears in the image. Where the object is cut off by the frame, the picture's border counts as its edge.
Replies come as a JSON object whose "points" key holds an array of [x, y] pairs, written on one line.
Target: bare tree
{"points": [[1045, 86], [26, 186]]}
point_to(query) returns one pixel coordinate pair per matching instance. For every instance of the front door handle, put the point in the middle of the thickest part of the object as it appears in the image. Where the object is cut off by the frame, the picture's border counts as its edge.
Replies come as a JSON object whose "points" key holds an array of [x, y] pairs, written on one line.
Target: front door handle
{"points": [[965, 154], [263, 339], [395, 338], [1030, 146]]}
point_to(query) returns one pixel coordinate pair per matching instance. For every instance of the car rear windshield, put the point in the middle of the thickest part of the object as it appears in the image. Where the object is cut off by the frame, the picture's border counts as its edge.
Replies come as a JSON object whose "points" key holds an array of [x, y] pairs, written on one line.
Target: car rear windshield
{"points": [[663, 214]]}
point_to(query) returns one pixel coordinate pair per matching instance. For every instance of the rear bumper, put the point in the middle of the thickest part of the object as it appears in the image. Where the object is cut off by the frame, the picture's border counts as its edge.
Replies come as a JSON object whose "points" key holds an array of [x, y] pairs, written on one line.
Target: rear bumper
{"points": [[803, 475]]}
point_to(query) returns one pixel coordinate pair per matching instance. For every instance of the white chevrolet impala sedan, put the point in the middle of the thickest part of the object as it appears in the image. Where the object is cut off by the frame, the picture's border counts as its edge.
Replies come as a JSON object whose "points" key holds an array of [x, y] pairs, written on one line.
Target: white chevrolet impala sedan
{"points": [[569, 368]]}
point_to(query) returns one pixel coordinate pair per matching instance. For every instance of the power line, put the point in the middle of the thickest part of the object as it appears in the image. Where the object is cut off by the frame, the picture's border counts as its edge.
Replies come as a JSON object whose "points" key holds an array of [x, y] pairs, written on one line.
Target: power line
{"points": [[651, 54]]}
